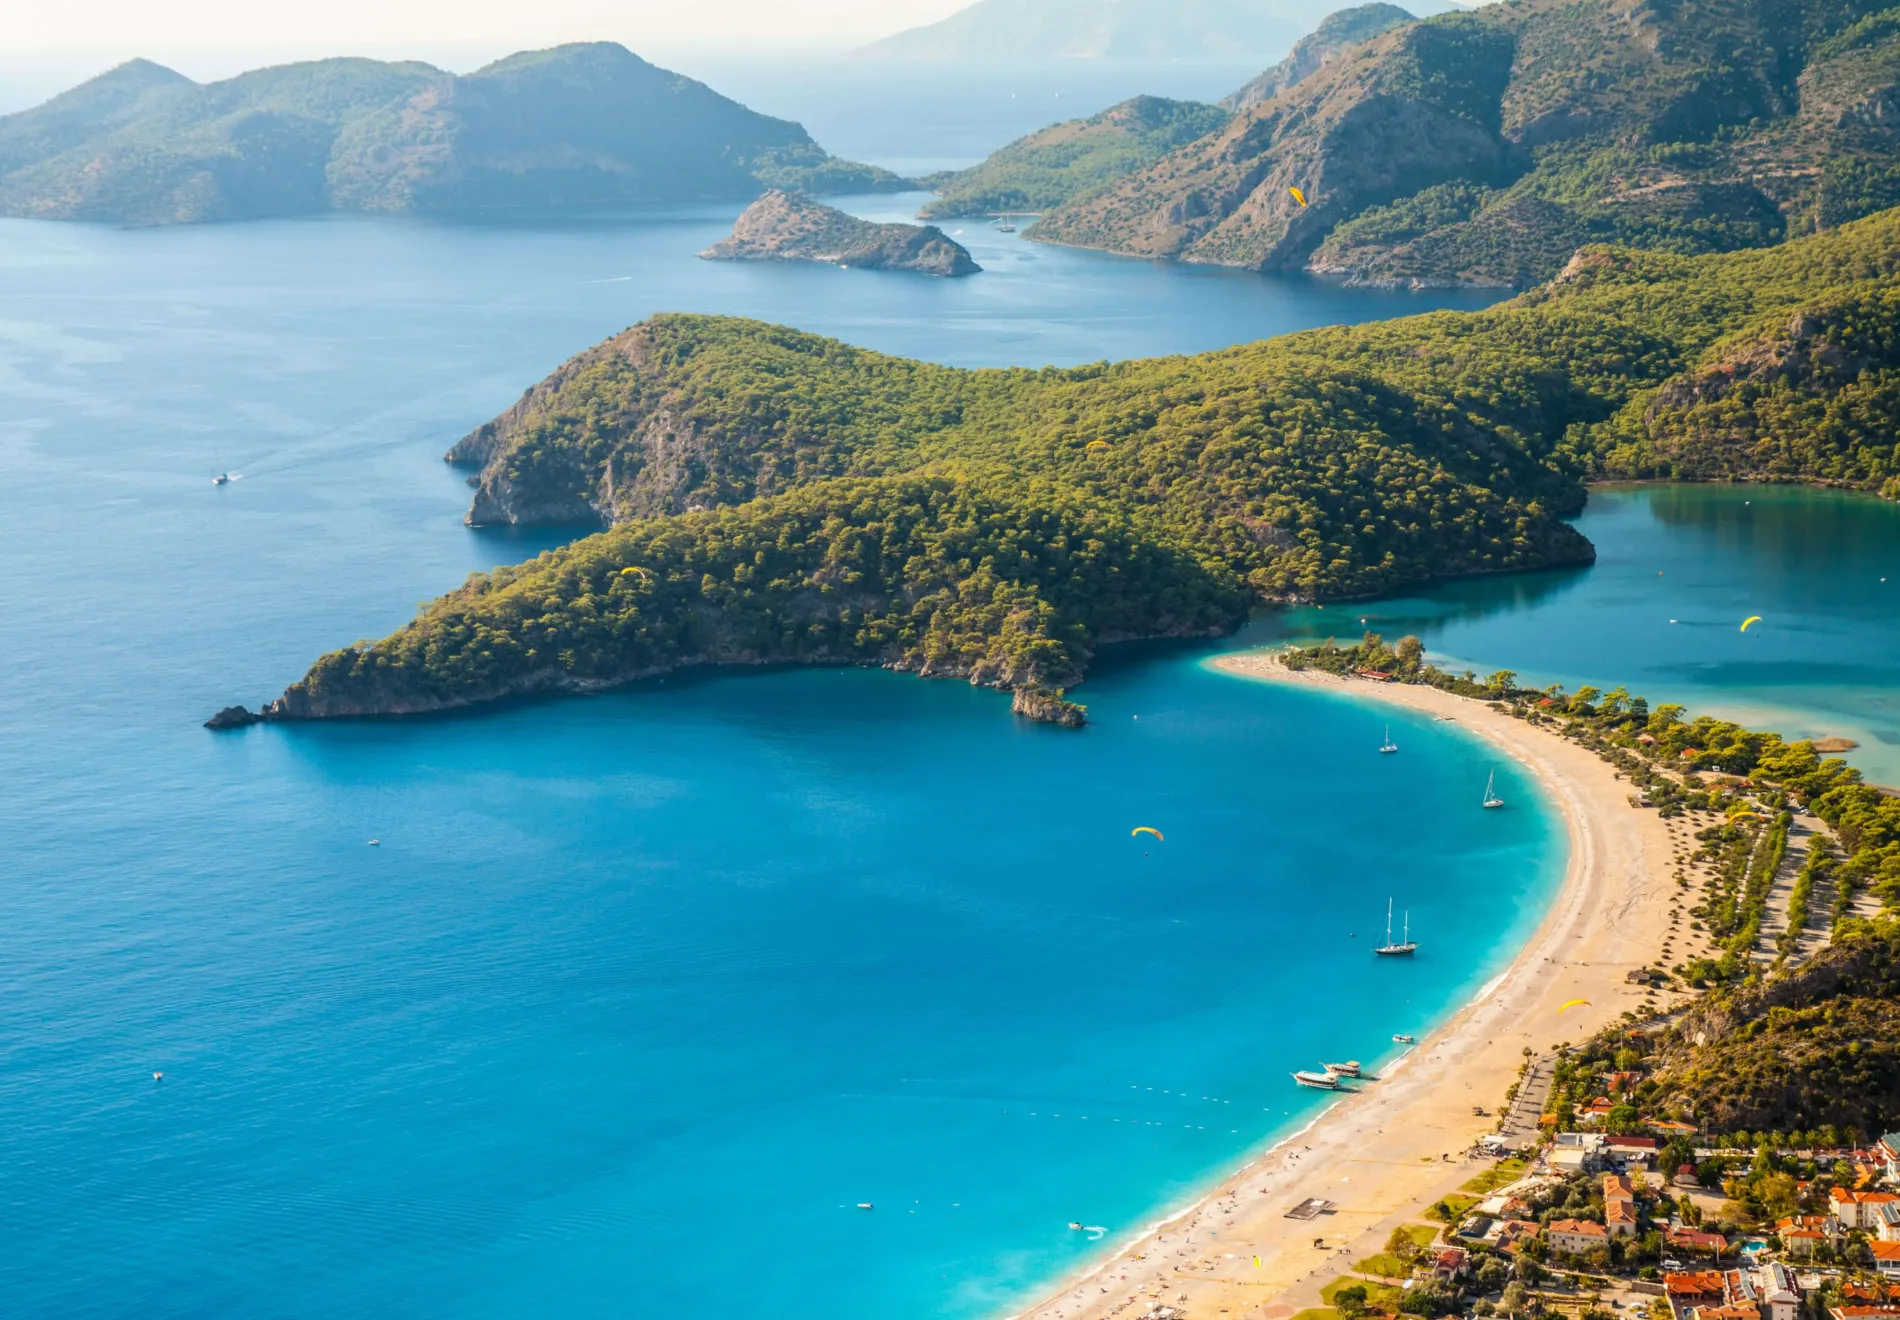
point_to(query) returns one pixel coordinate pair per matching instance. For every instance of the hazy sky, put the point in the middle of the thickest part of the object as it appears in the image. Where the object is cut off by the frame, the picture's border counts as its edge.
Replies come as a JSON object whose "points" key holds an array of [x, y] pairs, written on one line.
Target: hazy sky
{"points": [[183, 24]]}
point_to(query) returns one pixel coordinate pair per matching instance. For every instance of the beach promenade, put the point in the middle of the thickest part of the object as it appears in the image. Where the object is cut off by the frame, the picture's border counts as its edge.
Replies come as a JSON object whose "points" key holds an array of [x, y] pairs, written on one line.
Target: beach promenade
{"points": [[1386, 1153]]}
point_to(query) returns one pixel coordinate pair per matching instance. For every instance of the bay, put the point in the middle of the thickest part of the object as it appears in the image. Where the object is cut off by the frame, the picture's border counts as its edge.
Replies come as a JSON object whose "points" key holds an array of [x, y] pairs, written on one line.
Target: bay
{"points": [[634, 999]]}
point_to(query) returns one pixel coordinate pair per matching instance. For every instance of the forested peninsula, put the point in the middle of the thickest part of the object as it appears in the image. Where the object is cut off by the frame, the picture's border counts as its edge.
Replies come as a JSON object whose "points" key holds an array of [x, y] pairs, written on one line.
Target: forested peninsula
{"points": [[773, 496], [1484, 148]]}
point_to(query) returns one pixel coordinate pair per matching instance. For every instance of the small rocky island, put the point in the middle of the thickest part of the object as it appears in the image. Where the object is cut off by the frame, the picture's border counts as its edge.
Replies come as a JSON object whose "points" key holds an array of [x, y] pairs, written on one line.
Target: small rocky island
{"points": [[783, 226]]}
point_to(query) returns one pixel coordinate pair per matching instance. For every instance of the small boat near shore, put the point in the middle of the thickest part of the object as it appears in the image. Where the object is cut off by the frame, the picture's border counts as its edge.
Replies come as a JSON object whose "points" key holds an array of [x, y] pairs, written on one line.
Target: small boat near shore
{"points": [[1350, 1068], [1402, 1040], [1491, 798], [1319, 1081]]}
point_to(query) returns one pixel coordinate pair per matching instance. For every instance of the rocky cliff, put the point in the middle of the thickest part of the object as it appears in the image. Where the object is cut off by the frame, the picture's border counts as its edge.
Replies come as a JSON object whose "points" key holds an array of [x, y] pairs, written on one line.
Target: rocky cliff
{"points": [[1072, 159], [783, 226], [1485, 148], [1337, 33]]}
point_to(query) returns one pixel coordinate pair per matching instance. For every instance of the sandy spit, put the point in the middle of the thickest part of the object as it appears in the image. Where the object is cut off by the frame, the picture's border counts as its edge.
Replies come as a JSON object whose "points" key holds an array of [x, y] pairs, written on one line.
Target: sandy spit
{"points": [[1381, 1154]]}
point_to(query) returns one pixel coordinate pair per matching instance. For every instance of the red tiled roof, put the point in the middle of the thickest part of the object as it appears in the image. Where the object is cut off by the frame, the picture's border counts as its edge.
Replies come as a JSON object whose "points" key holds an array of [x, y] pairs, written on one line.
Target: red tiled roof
{"points": [[1619, 1212], [1695, 1283], [1581, 1227], [1885, 1250]]}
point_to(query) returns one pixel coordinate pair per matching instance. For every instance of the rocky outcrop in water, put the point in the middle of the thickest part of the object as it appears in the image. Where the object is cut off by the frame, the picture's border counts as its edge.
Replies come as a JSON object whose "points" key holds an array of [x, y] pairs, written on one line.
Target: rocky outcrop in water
{"points": [[1048, 707], [783, 226]]}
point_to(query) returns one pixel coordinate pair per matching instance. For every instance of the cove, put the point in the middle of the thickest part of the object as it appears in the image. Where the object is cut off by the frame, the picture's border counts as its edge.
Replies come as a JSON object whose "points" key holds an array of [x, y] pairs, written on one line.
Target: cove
{"points": [[633, 994]]}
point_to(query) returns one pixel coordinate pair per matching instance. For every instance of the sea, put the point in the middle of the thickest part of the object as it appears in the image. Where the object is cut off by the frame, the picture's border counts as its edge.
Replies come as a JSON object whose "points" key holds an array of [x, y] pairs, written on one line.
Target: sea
{"points": [[635, 1002]]}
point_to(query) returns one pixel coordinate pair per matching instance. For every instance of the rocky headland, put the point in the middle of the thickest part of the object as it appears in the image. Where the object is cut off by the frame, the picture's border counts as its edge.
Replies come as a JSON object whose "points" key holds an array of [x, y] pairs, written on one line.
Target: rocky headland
{"points": [[786, 226]]}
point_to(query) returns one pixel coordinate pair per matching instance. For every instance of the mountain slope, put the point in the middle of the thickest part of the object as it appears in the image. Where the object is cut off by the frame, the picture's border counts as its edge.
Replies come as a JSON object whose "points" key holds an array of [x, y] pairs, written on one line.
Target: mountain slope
{"points": [[1070, 160], [575, 125], [775, 496], [1104, 29], [1486, 147], [1337, 33]]}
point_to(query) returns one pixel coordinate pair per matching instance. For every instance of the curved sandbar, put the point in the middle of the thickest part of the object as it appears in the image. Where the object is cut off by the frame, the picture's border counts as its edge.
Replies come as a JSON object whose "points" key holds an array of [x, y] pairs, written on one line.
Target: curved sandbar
{"points": [[1377, 1154]]}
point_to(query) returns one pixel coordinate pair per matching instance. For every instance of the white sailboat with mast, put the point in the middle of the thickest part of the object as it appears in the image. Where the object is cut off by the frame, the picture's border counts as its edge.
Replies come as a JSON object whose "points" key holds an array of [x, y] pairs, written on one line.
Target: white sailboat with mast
{"points": [[1491, 798], [1388, 746], [1404, 947]]}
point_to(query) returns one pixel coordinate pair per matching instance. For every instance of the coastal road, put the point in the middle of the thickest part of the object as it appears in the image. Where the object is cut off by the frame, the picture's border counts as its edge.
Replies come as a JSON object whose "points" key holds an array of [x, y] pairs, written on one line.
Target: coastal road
{"points": [[1520, 1125]]}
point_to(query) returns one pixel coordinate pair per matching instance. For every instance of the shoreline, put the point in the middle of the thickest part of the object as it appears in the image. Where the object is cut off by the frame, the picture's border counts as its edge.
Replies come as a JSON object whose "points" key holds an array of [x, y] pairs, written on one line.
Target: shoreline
{"points": [[1381, 1152]]}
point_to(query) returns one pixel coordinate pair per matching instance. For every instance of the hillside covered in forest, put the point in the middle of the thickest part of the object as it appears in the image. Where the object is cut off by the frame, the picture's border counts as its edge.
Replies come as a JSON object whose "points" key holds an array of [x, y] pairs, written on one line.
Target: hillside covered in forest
{"points": [[578, 125], [775, 496], [1484, 148]]}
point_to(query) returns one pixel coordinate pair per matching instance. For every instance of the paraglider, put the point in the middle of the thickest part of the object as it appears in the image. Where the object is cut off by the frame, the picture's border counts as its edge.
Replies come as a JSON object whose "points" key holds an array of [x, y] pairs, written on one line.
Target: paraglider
{"points": [[635, 569], [1572, 1003], [1753, 618], [1147, 829], [1299, 197], [1097, 447]]}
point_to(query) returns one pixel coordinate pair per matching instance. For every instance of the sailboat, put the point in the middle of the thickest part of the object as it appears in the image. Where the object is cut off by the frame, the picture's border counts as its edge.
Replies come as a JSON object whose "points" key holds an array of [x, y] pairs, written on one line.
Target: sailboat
{"points": [[1388, 746], [1491, 798], [1404, 948]]}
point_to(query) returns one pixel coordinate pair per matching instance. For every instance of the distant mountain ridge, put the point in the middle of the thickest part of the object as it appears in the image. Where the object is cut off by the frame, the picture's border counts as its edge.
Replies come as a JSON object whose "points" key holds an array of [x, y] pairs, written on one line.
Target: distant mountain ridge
{"points": [[576, 125], [1104, 29], [1485, 148], [1337, 33]]}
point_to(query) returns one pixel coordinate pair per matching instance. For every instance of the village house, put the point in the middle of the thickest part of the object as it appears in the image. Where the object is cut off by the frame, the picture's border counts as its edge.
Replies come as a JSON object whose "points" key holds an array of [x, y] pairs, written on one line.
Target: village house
{"points": [[1859, 1209], [1576, 1237], [1576, 1152], [1886, 1221], [1863, 1312], [1635, 1152], [1870, 1294], [1780, 1292], [1801, 1234], [1886, 1258], [1619, 1206], [1696, 1241], [1510, 1235], [1887, 1149], [1596, 1111], [1446, 1265], [1695, 1288]]}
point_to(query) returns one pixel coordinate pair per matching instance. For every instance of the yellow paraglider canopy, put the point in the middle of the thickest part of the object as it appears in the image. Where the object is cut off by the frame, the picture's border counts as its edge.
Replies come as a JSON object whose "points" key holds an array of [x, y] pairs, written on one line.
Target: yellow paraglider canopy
{"points": [[635, 569], [1572, 1003], [1753, 618], [1096, 446], [1146, 829], [1299, 197]]}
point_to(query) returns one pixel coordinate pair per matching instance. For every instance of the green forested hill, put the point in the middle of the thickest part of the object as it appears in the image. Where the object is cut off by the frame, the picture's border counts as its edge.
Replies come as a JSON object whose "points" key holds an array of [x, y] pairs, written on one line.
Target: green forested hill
{"points": [[1069, 160], [775, 495], [1485, 148], [575, 125]]}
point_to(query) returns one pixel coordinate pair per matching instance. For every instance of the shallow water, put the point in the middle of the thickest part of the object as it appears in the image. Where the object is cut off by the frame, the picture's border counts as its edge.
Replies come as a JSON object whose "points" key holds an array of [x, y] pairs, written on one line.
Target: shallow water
{"points": [[1678, 570]]}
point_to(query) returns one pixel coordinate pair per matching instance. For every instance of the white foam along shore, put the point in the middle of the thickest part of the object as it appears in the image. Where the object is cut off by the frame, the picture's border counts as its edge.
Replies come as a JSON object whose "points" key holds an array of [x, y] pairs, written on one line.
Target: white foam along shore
{"points": [[1380, 1152]]}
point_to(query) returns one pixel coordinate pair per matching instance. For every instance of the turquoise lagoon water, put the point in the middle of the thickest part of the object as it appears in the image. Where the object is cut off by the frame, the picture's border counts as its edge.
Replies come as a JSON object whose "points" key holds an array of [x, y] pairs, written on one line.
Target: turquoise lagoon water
{"points": [[638, 994], [1678, 570]]}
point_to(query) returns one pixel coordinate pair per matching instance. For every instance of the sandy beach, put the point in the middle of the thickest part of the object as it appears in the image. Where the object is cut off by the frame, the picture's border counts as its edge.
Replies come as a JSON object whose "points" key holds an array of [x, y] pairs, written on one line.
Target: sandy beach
{"points": [[1386, 1153]]}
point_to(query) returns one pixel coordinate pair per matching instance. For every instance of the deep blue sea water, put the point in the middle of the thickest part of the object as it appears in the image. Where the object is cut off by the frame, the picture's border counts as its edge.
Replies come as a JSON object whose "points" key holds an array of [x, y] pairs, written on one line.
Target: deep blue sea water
{"points": [[637, 994]]}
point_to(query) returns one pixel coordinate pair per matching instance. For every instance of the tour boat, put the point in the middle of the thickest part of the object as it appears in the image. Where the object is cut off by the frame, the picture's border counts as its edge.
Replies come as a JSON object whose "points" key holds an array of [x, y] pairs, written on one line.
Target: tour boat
{"points": [[1350, 1068], [1388, 746], [1491, 798], [1402, 1040], [1404, 948], [864, 1205], [1319, 1081]]}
